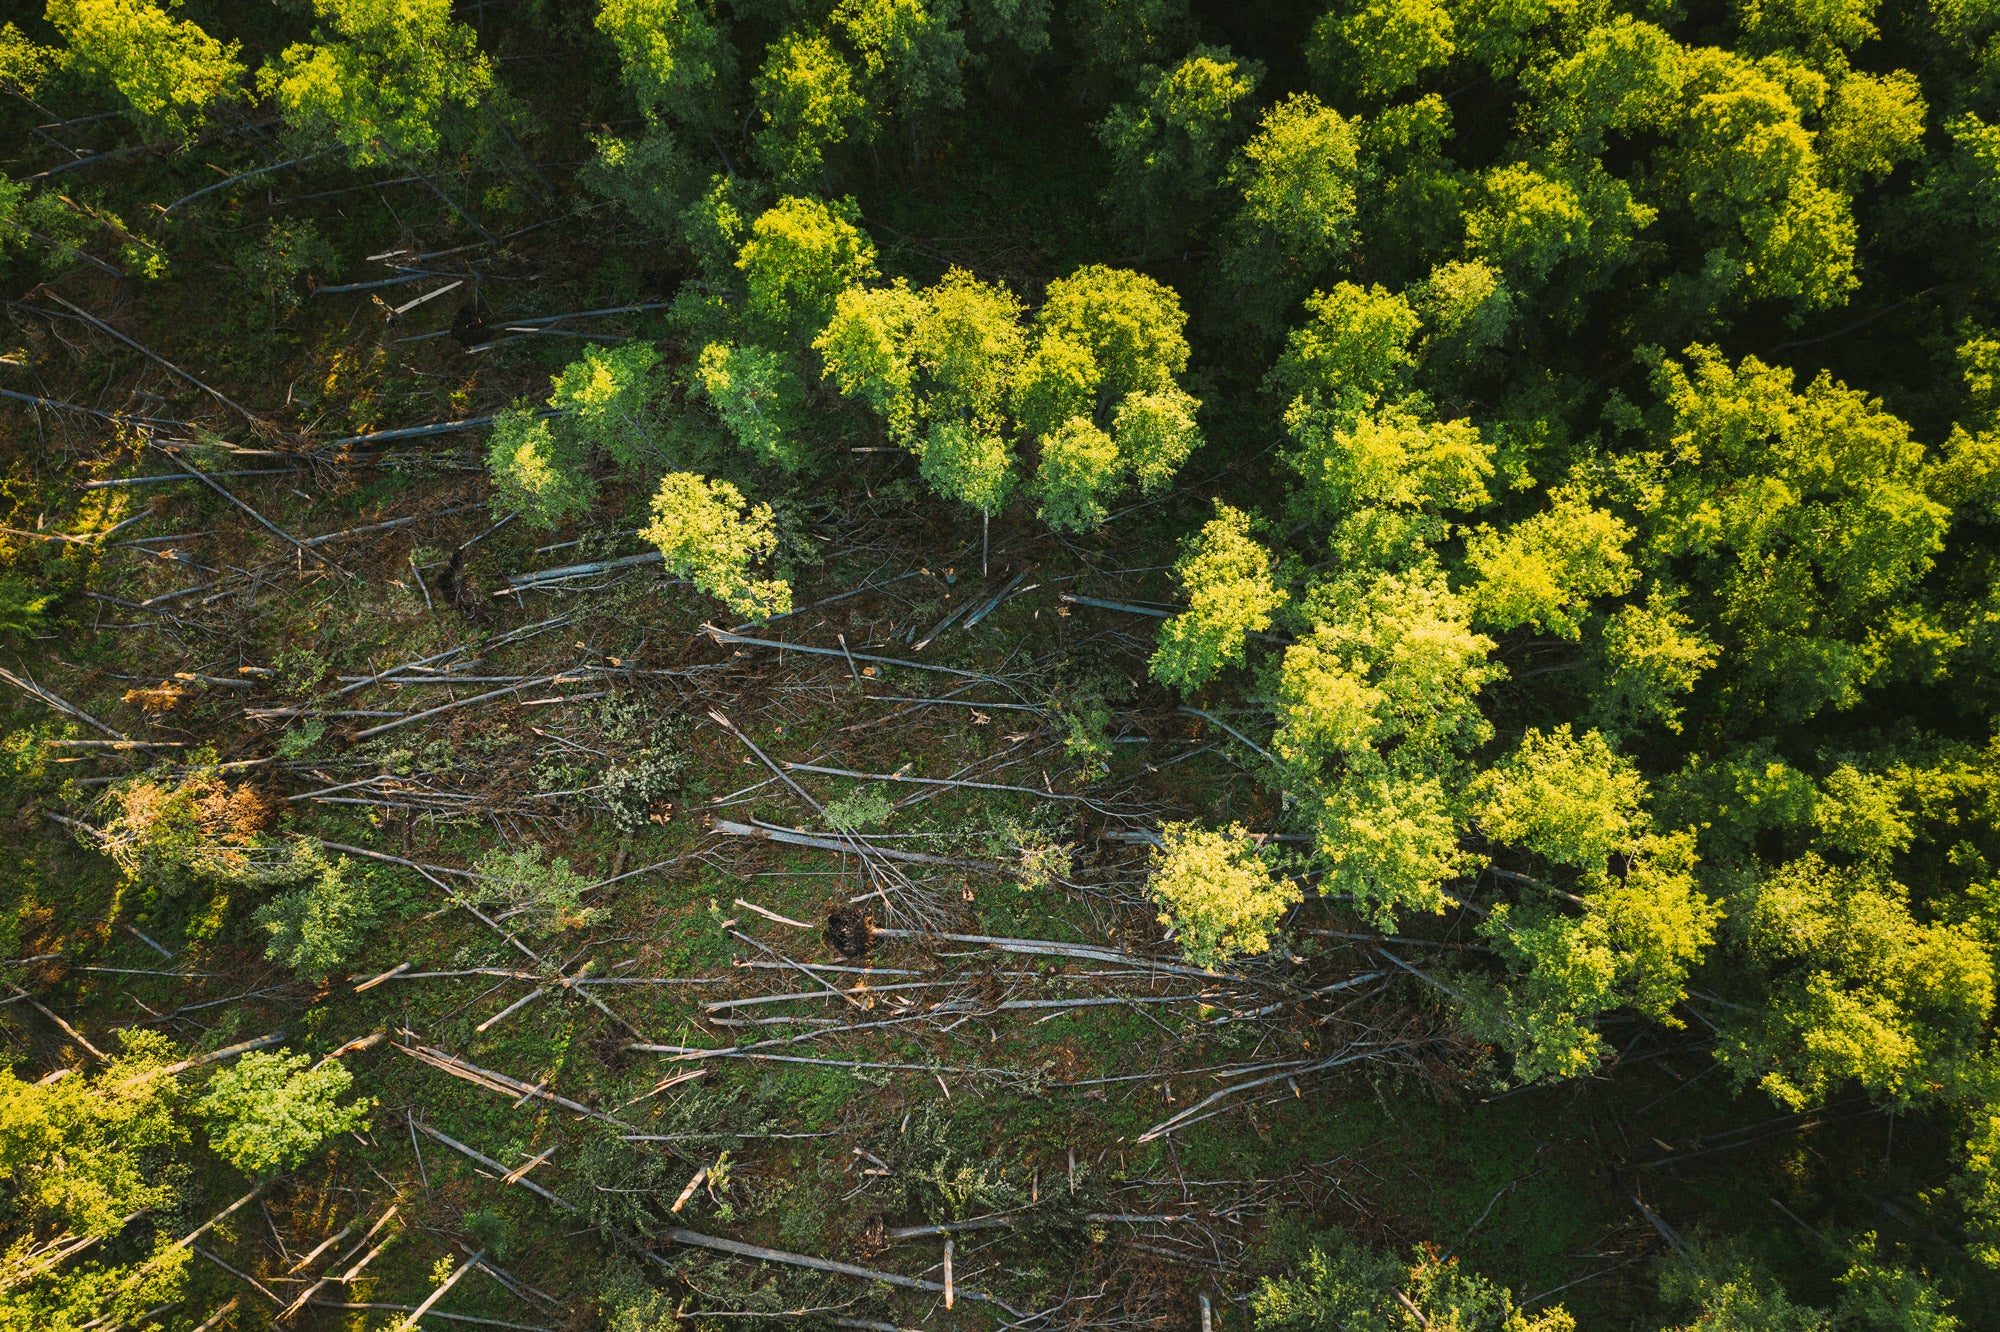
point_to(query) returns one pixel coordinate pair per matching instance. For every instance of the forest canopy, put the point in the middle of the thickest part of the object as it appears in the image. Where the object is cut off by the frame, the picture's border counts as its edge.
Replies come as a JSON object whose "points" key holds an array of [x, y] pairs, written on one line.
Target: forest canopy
{"points": [[1548, 455]]}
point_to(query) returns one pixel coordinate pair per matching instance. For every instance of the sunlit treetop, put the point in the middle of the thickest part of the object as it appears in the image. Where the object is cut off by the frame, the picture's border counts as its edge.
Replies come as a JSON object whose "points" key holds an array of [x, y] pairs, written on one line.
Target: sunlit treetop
{"points": [[167, 69], [379, 76], [800, 255]]}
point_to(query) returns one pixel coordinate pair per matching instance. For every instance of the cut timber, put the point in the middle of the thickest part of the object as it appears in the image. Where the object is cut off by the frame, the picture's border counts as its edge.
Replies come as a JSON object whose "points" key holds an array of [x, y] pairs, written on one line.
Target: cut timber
{"points": [[67, 709], [241, 1047], [390, 974], [724, 636], [730, 828], [501, 1082], [68, 1030], [416, 1314], [696, 1240]]}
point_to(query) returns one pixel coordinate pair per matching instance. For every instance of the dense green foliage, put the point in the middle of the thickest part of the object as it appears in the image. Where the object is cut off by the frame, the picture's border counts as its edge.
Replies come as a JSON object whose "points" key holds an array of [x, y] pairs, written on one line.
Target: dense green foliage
{"points": [[269, 1111], [1564, 440]]}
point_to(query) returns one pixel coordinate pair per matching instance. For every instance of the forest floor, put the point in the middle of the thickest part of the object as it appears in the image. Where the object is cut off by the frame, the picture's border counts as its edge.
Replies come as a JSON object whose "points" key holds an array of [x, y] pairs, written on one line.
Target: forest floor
{"points": [[416, 682]]}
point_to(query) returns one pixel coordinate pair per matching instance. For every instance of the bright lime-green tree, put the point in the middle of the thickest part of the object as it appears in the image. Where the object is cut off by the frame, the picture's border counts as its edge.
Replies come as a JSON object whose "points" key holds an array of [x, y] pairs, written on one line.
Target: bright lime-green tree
{"points": [[758, 397], [671, 53], [1296, 182], [537, 469], [937, 365], [912, 56], [1372, 50], [272, 1109], [800, 255], [807, 103], [1799, 516], [379, 76], [1231, 595], [955, 377], [1545, 570], [1852, 987], [1103, 336], [167, 69], [606, 399], [1221, 899], [85, 1159], [712, 537], [1377, 708], [1332, 1283], [1609, 915]]}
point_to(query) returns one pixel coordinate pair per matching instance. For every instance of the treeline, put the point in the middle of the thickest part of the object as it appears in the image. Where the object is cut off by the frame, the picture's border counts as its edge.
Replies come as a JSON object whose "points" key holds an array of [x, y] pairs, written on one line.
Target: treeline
{"points": [[1623, 577]]}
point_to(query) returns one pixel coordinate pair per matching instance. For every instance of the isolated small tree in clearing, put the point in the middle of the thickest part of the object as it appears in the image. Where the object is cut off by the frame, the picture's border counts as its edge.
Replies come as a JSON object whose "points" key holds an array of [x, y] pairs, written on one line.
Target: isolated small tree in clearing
{"points": [[536, 469], [1219, 897], [702, 528], [271, 1111]]}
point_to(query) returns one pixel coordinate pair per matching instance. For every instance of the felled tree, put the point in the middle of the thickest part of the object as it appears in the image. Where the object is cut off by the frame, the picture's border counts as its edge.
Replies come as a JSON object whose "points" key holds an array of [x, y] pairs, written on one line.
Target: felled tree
{"points": [[1220, 898], [1231, 594], [541, 897], [704, 530], [168, 70], [271, 1110], [379, 76]]}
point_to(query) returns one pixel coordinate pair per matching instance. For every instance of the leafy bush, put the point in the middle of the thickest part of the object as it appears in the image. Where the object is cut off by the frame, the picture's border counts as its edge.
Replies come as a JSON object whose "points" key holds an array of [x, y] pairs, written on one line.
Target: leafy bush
{"points": [[1222, 900], [318, 926], [867, 805], [270, 1111], [544, 898]]}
